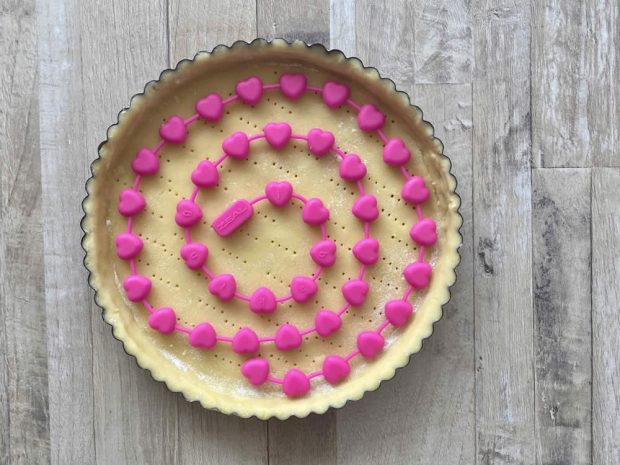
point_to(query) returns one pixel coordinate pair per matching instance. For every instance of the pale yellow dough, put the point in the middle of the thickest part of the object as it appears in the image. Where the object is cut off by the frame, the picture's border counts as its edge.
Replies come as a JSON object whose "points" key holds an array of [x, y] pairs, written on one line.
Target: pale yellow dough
{"points": [[273, 247]]}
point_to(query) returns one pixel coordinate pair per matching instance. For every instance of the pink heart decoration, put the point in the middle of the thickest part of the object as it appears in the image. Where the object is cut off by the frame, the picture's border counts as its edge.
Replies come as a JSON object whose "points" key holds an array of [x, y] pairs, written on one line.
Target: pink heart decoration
{"points": [[130, 202], [279, 193], [163, 320], [293, 85], [173, 130], [263, 301], [320, 142], [223, 286], [370, 343], [137, 287], [418, 274], [278, 134], [355, 291], [365, 208], [314, 212], [327, 323], [370, 118], [146, 162], [287, 337], [424, 232], [195, 255], [210, 108], [188, 214], [303, 288], [367, 251], [351, 168], [295, 383], [324, 253], [205, 174], [237, 145], [415, 190], [245, 341], [250, 91], [396, 152], [335, 93], [398, 312], [256, 370], [203, 336], [128, 245], [335, 369]]}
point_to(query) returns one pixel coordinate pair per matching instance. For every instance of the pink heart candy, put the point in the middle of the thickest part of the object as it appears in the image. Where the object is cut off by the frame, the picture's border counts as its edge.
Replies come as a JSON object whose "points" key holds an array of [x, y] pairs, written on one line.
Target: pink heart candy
{"points": [[188, 214], [205, 174], [295, 383], [293, 85], [335, 369], [256, 370], [335, 93], [303, 288], [130, 202], [163, 320], [287, 337], [320, 142], [146, 162], [128, 245], [223, 286], [324, 253], [279, 193], [396, 152], [314, 212], [137, 287], [367, 251], [355, 291], [370, 343], [250, 91], [398, 312], [327, 322], [203, 336], [173, 130], [351, 168], [195, 255], [415, 190], [237, 145], [424, 232], [418, 274], [365, 208], [370, 118], [263, 301], [245, 341], [210, 108], [278, 134]]}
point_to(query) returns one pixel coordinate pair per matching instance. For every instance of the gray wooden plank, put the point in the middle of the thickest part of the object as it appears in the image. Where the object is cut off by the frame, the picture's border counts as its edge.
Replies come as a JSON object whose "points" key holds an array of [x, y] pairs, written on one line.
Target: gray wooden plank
{"points": [[24, 427], [282, 18], [67, 297], [342, 26], [605, 316], [430, 403], [562, 304], [386, 39], [204, 435], [443, 41], [227, 22], [502, 234]]}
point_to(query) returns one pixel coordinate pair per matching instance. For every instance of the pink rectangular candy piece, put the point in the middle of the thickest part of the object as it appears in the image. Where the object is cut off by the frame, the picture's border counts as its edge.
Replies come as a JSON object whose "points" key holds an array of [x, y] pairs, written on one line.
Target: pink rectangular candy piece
{"points": [[233, 217]]}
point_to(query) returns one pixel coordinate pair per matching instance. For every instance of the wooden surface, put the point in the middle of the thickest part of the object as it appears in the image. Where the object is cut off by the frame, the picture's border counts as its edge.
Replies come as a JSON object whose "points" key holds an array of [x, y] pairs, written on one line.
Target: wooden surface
{"points": [[524, 367]]}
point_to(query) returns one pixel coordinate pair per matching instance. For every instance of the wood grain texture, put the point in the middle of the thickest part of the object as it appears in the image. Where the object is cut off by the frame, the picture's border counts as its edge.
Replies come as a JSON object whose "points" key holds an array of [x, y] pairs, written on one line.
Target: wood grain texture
{"points": [[562, 305], [605, 316], [24, 427], [502, 235], [293, 19], [342, 26]]}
